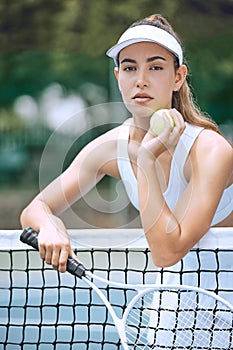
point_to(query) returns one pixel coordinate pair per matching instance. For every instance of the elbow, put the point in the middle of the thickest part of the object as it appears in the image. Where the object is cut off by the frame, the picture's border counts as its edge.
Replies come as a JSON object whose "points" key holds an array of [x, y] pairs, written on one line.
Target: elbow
{"points": [[167, 249], [24, 217], [166, 259], [162, 263], [27, 215]]}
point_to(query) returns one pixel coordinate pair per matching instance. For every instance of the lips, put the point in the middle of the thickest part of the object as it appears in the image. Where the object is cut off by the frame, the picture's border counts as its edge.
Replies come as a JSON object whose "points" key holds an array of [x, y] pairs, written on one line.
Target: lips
{"points": [[142, 97]]}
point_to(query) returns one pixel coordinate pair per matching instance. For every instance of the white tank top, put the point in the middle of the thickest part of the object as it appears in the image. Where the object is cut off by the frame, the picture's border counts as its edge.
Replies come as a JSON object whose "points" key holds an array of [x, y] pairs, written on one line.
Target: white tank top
{"points": [[177, 182]]}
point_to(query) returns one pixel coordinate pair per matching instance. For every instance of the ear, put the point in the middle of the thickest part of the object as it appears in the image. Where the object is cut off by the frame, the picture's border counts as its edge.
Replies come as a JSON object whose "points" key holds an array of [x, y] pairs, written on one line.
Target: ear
{"points": [[116, 72], [181, 74]]}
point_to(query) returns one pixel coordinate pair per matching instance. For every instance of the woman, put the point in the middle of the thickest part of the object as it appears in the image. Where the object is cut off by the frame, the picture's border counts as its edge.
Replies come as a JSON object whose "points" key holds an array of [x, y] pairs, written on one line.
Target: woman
{"points": [[181, 181]]}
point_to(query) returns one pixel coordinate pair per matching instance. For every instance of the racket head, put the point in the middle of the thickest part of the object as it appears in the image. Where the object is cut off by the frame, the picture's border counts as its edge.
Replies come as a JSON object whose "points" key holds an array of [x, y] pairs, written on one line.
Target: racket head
{"points": [[178, 317]]}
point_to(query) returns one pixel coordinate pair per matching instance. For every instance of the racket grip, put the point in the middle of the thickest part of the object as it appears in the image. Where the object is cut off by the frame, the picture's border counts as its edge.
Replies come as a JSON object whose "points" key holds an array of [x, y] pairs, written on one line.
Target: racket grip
{"points": [[30, 237]]}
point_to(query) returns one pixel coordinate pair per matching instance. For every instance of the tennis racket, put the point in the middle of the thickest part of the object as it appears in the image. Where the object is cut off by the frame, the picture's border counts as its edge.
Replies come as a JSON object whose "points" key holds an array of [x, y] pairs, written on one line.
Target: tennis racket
{"points": [[161, 316]]}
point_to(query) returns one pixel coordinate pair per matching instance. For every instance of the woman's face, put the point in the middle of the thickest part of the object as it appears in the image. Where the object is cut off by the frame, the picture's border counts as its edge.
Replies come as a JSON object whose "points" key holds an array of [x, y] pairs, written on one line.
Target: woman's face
{"points": [[147, 78]]}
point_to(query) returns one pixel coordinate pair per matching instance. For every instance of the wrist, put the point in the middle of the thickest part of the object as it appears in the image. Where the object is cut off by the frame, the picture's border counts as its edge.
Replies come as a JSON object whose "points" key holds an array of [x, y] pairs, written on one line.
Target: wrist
{"points": [[145, 154], [151, 152], [52, 222]]}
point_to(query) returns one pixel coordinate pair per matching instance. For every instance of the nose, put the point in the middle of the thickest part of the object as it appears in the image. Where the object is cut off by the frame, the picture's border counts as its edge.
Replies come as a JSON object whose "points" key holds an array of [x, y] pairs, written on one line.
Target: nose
{"points": [[142, 82]]}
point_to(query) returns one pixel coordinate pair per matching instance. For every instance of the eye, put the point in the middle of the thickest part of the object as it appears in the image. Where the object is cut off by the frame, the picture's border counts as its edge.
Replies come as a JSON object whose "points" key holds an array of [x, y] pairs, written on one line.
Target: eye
{"points": [[129, 68], [156, 68]]}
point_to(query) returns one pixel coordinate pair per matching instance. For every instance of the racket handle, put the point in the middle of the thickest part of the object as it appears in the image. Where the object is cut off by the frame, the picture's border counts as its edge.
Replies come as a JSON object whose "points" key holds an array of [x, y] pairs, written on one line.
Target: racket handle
{"points": [[30, 237]]}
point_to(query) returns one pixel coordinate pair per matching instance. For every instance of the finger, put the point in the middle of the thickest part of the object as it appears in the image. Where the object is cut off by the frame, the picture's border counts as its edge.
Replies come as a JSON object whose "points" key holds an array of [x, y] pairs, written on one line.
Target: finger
{"points": [[74, 256], [64, 253], [178, 121], [168, 124], [41, 250], [177, 116], [55, 257], [48, 254], [45, 252]]}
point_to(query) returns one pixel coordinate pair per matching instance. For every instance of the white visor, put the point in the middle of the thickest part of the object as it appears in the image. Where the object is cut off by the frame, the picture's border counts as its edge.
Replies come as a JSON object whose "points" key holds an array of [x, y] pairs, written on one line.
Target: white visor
{"points": [[146, 33]]}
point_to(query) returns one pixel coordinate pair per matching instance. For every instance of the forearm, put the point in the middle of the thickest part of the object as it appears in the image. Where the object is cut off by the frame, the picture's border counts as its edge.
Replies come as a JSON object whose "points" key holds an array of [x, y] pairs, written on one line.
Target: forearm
{"points": [[53, 239], [53, 200], [37, 215], [161, 227]]}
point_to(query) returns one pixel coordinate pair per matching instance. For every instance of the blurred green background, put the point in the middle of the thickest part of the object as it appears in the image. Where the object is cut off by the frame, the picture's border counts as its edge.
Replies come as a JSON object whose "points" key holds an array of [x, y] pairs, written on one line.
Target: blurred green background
{"points": [[53, 65]]}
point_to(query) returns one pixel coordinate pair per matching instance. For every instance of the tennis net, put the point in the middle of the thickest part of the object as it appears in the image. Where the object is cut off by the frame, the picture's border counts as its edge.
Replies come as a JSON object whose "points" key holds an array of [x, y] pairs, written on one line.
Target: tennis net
{"points": [[43, 309]]}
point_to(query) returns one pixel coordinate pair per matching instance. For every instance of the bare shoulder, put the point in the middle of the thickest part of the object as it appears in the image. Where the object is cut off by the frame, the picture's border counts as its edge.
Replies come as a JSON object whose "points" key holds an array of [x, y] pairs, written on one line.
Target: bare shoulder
{"points": [[100, 155], [212, 151], [111, 135], [210, 142], [107, 141]]}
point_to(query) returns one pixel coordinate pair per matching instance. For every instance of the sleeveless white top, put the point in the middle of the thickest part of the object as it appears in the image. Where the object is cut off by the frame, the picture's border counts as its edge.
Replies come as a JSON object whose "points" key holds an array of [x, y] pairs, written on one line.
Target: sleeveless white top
{"points": [[177, 182]]}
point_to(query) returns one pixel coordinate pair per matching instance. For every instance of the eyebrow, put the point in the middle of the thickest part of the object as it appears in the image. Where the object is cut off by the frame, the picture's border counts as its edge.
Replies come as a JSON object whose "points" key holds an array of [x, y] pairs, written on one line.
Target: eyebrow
{"points": [[150, 59]]}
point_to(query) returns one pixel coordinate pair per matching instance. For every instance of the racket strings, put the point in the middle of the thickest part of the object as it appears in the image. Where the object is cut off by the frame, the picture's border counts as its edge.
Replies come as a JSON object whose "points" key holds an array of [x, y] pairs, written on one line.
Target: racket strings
{"points": [[179, 320]]}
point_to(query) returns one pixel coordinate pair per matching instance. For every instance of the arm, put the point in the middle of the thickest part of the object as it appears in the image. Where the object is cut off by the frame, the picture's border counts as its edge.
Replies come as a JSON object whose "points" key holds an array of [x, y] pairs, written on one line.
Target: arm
{"points": [[172, 234], [90, 165]]}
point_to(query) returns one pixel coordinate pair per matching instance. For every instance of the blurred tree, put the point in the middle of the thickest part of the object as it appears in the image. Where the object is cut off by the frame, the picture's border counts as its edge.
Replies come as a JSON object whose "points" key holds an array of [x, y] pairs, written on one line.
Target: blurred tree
{"points": [[27, 24], [26, 32], [65, 41], [212, 78]]}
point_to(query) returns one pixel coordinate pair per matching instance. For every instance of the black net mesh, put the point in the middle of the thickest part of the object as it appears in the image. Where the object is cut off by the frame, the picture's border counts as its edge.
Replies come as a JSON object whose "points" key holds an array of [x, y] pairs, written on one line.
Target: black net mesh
{"points": [[43, 309]]}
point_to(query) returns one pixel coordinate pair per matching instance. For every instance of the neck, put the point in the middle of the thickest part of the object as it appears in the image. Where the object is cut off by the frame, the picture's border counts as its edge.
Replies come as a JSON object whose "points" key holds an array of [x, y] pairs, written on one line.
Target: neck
{"points": [[139, 128]]}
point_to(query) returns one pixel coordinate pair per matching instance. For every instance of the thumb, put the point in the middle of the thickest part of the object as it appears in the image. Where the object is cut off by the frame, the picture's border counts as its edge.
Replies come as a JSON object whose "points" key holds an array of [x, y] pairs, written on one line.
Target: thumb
{"points": [[74, 256]]}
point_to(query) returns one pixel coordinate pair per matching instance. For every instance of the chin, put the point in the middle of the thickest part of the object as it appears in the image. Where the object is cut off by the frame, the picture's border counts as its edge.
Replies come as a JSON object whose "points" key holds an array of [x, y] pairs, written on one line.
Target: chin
{"points": [[139, 110]]}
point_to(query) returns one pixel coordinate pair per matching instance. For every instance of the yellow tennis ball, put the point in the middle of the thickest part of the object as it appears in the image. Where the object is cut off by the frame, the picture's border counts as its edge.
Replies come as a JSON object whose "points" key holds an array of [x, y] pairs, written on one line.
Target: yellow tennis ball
{"points": [[157, 122]]}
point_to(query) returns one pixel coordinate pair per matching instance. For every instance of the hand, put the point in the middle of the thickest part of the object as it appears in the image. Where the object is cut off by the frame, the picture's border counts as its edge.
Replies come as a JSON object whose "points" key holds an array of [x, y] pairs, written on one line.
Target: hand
{"points": [[54, 244], [168, 139]]}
